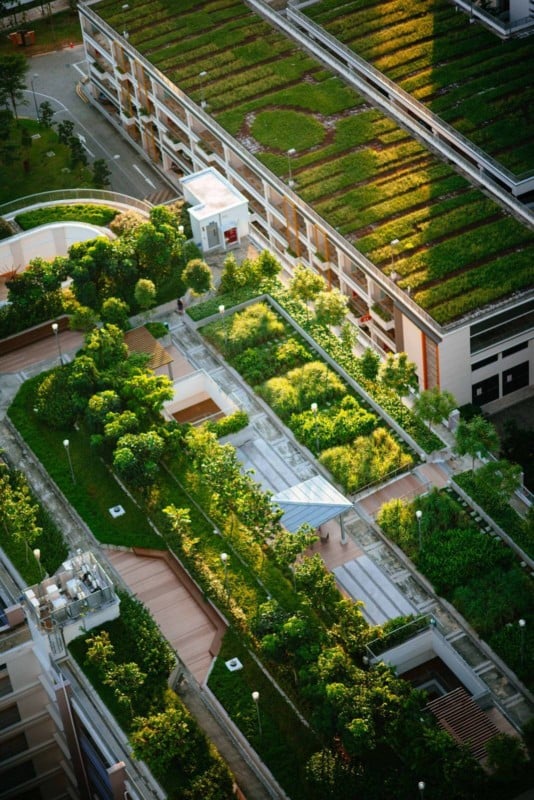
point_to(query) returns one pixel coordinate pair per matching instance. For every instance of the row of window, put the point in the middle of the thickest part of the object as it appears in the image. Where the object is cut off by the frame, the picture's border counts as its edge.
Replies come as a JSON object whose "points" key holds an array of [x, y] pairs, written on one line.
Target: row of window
{"points": [[510, 380], [510, 351]]}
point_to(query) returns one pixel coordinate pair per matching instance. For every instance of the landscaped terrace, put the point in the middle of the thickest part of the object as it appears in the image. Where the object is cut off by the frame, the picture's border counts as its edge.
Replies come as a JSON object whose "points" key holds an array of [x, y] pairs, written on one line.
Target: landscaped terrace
{"points": [[457, 250], [462, 72]]}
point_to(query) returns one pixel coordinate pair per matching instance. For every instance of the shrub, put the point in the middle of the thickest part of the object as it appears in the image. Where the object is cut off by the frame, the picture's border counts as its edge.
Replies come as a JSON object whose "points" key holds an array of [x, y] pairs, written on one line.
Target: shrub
{"points": [[93, 214], [253, 326], [337, 425], [229, 424], [302, 386], [366, 460]]}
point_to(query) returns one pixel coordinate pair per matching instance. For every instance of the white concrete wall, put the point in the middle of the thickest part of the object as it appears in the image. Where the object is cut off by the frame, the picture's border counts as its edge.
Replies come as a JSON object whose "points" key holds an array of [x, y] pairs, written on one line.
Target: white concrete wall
{"points": [[413, 346], [46, 241], [425, 646], [455, 365], [197, 383]]}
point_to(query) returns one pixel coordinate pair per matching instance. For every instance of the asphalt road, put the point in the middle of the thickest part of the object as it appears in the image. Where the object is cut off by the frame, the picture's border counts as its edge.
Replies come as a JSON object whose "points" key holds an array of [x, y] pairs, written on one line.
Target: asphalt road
{"points": [[54, 77]]}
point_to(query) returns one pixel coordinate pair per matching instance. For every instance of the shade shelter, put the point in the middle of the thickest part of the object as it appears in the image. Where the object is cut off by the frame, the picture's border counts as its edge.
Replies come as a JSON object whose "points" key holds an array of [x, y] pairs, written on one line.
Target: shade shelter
{"points": [[140, 340], [314, 501]]}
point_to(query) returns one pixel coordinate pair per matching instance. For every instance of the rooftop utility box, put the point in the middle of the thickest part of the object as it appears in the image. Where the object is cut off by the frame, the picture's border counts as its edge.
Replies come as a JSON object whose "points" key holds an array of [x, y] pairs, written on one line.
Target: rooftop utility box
{"points": [[219, 213]]}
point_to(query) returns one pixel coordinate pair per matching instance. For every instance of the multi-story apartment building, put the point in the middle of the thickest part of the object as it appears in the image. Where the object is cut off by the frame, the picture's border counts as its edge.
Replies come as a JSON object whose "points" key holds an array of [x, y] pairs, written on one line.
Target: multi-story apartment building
{"points": [[55, 742], [486, 357]]}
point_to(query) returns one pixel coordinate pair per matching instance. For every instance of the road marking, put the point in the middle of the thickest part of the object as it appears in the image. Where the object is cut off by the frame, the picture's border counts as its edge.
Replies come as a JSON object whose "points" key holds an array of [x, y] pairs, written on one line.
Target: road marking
{"points": [[143, 176]]}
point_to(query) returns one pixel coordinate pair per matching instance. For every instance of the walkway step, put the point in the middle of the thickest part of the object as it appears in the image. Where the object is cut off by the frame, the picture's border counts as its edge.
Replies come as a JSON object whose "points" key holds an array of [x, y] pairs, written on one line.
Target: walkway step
{"points": [[271, 471], [364, 581]]}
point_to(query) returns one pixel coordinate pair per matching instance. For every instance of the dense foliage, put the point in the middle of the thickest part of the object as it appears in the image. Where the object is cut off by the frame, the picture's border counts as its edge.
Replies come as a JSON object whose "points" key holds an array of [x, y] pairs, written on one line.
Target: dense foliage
{"points": [[481, 577], [129, 663]]}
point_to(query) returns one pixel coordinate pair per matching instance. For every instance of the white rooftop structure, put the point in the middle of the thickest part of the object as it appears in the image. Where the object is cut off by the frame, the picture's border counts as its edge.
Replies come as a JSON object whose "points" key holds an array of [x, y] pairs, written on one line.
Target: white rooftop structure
{"points": [[219, 212], [314, 501]]}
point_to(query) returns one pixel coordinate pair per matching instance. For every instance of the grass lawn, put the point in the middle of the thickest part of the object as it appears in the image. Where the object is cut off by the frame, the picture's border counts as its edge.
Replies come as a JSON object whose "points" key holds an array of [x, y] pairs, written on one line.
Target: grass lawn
{"points": [[95, 490], [462, 72], [284, 744], [51, 33], [43, 172], [355, 167]]}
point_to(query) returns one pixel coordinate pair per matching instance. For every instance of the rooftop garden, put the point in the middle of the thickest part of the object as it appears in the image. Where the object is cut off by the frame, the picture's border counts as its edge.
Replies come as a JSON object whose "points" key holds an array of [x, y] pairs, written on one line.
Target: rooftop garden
{"points": [[462, 72], [457, 250]]}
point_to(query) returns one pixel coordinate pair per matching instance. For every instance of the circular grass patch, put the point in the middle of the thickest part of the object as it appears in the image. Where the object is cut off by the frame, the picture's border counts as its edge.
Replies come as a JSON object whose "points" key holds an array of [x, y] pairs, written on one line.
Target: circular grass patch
{"points": [[283, 130]]}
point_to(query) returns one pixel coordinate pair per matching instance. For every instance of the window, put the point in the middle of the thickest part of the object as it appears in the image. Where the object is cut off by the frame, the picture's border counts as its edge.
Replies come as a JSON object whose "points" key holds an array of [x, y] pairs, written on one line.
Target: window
{"points": [[516, 349], [485, 391], [484, 362], [515, 378], [502, 326]]}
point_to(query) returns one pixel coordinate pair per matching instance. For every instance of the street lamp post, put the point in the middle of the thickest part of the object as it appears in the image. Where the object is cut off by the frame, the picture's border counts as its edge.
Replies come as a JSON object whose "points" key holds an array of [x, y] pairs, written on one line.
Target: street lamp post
{"points": [[419, 514], [291, 152], [66, 445], [125, 8], [315, 409], [256, 698], [421, 786], [55, 328], [202, 75], [393, 244], [522, 626], [224, 560], [225, 329], [37, 556], [35, 75]]}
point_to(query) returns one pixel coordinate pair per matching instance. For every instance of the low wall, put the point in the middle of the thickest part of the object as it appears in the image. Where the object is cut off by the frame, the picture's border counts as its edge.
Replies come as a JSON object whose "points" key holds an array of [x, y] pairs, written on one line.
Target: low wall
{"points": [[46, 241]]}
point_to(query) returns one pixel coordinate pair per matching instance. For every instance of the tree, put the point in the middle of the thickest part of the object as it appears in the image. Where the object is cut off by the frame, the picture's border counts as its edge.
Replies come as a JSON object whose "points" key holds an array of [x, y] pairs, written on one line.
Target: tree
{"points": [[197, 276], [399, 374], [115, 312], [18, 512], [288, 546], [348, 336], [46, 113], [179, 523], [502, 478], [145, 294], [434, 405], [330, 307], [165, 739], [101, 174], [477, 437], [100, 651], [305, 285], [13, 69], [136, 457], [126, 680], [370, 363], [268, 265], [65, 130], [77, 152], [106, 346]]}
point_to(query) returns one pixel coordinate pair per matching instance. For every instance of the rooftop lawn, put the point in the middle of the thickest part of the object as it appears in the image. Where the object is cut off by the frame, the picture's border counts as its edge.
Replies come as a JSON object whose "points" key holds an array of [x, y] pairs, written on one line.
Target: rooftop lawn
{"points": [[368, 178], [462, 72]]}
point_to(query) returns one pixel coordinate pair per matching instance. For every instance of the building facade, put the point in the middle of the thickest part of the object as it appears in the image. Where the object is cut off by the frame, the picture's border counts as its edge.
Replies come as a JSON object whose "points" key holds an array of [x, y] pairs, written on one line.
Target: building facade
{"points": [[487, 358]]}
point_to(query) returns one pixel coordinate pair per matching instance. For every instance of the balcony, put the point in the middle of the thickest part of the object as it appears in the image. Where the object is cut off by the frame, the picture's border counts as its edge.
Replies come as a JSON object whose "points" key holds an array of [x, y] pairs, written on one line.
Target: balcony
{"points": [[382, 314]]}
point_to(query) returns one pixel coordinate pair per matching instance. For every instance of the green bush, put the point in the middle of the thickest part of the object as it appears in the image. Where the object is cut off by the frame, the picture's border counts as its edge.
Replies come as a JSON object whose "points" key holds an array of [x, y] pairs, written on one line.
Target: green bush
{"points": [[90, 213], [366, 460], [300, 387], [229, 424], [336, 425]]}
